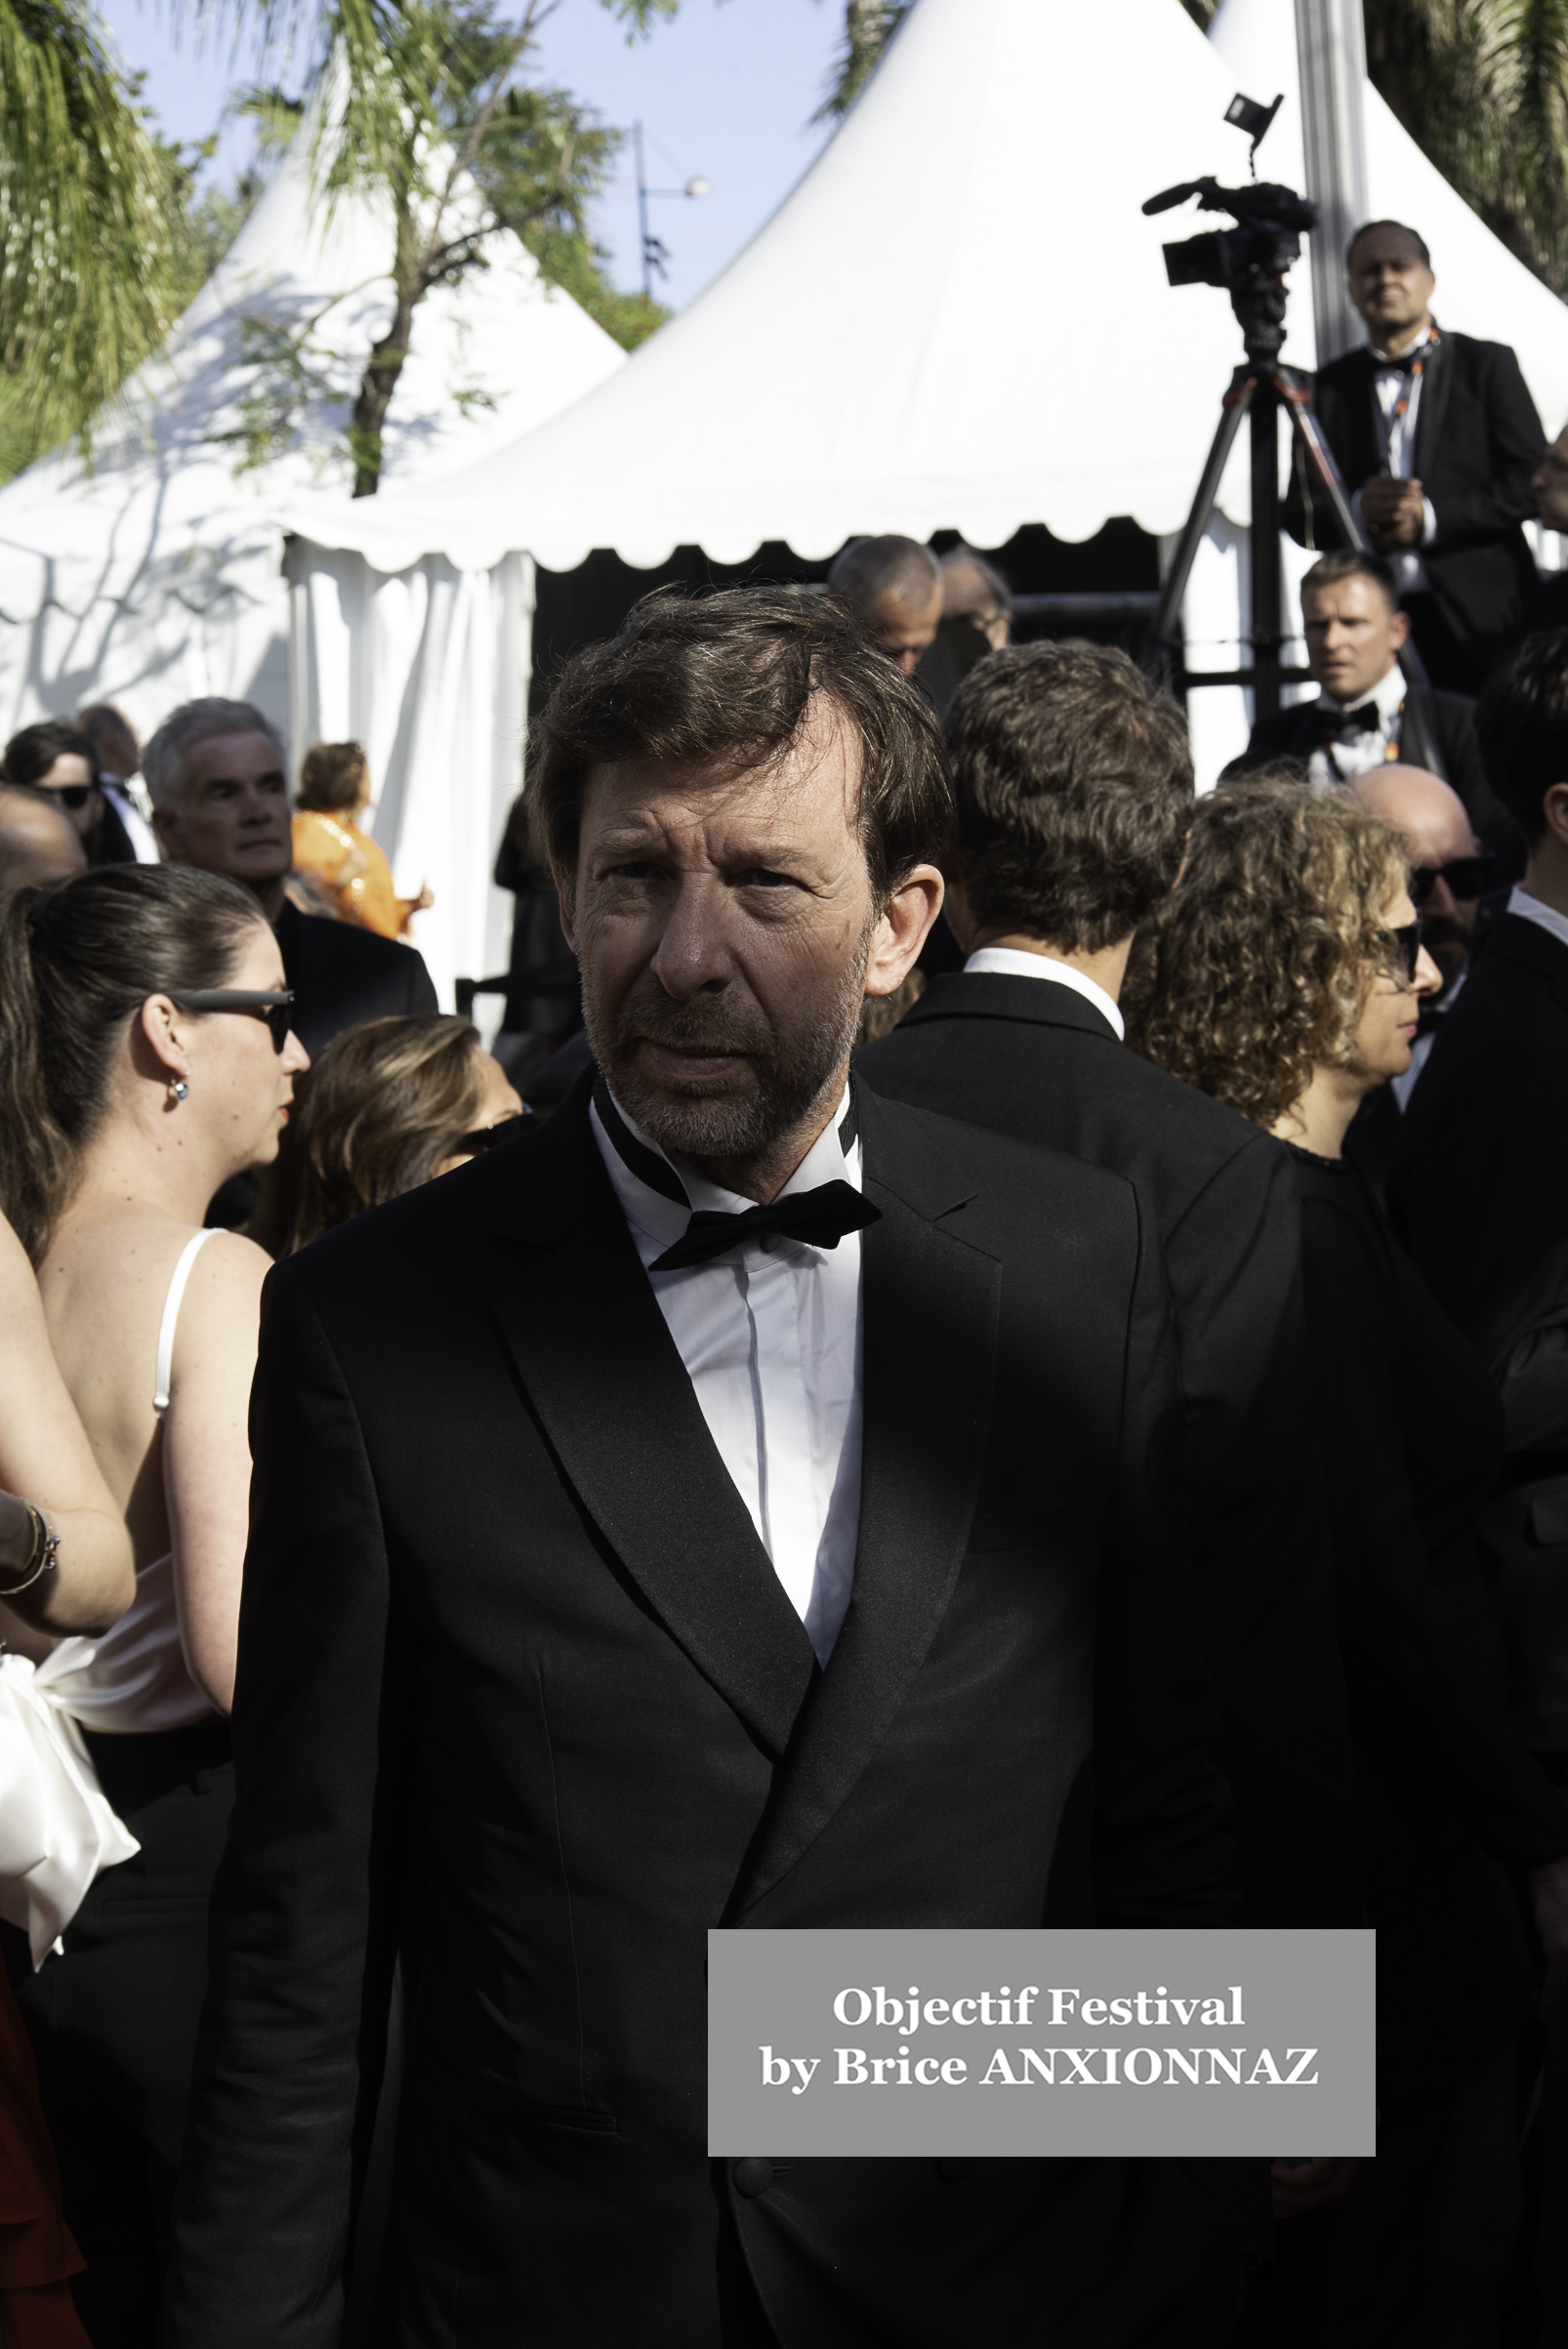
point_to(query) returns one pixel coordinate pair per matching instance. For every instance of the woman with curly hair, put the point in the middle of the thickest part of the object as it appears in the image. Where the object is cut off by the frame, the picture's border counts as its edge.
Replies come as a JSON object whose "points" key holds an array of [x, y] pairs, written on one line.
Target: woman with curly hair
{"points": [[1284, 976]]}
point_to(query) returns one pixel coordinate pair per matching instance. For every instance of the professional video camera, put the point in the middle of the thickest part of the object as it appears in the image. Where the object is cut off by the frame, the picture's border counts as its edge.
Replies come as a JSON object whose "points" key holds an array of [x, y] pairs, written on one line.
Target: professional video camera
{"points": [[1265, 241]]}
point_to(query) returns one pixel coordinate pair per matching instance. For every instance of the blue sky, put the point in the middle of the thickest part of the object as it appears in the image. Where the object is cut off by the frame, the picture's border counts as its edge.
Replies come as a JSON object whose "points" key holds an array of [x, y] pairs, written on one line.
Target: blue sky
{"points": [[727, 93]]}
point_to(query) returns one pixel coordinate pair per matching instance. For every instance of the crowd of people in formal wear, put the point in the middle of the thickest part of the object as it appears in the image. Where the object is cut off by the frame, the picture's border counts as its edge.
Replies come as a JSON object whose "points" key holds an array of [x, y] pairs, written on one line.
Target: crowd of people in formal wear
{"points": [[1006, 1363]]}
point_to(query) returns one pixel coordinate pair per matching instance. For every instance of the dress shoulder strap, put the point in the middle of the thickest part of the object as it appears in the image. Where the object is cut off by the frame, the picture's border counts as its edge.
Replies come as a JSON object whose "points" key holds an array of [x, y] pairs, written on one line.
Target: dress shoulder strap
{"points": [[170, 1316]]}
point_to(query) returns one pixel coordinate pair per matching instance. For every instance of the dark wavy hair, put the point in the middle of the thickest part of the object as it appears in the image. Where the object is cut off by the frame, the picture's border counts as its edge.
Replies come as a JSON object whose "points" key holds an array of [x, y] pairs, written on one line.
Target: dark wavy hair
{"points": [[1521, 722], [379, 1110], [31, 754], [1073, 781], [731, 676], [76, 965], [1258, 966]]}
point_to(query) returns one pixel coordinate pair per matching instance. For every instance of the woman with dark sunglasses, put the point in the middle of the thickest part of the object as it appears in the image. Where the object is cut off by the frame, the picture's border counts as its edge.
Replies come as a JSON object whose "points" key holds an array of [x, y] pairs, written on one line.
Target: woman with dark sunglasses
{"points": [[144, 1059], [56, 757], [1284, 976], [389, 1105]]}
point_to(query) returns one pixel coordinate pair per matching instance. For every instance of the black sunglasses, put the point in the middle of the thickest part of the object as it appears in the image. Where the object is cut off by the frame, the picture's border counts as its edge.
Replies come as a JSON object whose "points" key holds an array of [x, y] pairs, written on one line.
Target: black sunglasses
{"points": [[485, 1137], [276, 1010], [1465, 875], [71, 795], [1407, 946]]}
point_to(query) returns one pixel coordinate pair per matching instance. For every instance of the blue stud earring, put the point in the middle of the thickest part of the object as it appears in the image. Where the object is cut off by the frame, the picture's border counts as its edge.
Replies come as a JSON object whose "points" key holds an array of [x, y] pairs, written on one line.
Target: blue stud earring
{"points": [[177, 1088]]}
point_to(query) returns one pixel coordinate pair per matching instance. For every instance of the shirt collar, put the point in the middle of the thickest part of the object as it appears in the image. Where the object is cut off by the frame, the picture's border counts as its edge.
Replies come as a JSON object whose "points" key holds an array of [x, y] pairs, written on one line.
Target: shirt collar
{"points": [[1388, 693], [1387, 358], [663, 1219], [1545, 917], [1008, 962]]}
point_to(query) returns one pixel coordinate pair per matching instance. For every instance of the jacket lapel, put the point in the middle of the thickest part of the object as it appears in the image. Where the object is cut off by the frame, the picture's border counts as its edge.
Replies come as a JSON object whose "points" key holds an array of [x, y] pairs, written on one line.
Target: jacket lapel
{"points": [[607, 1385], [931, 1304], [1436, 378]]}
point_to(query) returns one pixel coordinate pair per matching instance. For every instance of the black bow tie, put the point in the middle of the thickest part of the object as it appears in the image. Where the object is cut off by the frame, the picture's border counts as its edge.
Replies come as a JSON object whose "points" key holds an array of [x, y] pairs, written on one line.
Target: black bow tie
{"points": [[822, 1217], [1344, 726]]}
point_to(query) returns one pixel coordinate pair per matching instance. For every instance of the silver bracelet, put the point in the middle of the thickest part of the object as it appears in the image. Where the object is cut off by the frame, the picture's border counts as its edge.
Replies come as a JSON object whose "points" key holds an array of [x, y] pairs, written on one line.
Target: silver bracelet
{"points": [[44, 1555]]}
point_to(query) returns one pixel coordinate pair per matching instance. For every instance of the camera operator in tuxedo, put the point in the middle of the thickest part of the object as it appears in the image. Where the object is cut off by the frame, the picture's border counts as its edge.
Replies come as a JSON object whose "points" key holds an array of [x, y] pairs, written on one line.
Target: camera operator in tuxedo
{"points": [[743, 1501], [1367, 713], [1439, 441]]}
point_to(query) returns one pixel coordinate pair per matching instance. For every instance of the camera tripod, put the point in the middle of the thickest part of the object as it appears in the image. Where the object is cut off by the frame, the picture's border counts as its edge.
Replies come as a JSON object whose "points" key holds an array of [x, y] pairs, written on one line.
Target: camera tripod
{"points": [[1260, 389]]}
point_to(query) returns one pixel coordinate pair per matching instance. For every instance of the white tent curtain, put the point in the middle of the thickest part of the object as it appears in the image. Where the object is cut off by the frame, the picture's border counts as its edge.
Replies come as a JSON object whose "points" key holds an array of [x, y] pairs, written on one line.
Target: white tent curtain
{"points": [[428, 668], [1024, 361]]}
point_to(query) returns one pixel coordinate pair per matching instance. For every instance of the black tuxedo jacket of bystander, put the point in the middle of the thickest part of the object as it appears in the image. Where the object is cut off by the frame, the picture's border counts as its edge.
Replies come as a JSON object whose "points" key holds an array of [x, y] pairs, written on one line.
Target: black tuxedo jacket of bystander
{"points": [[1032, 1058], [1478, 441], [342, 975], [1476, 1192], [520, 1693]]}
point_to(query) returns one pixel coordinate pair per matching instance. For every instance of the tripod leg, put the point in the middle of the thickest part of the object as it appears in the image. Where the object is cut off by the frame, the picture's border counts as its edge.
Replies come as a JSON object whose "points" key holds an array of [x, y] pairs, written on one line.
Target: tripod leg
{"points": [[1161, 627], [1296, 401]]}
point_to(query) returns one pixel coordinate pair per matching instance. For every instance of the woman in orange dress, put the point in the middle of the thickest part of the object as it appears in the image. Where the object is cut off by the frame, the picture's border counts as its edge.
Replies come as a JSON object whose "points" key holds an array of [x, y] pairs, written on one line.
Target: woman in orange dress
{"points": [[329, 844]]}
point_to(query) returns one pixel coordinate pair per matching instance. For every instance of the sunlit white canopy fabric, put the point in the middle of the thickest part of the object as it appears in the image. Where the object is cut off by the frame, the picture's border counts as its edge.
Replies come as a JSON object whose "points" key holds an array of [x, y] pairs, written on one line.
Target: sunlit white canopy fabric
{"points": [[958, 320], [1481, 290], [159, 573]]}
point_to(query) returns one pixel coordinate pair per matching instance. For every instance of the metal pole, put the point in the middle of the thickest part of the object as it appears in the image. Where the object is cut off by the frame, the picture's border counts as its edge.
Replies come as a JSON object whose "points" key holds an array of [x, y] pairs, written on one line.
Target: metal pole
{"points": [[643, 215], [1266, 603], [1332, 53]]}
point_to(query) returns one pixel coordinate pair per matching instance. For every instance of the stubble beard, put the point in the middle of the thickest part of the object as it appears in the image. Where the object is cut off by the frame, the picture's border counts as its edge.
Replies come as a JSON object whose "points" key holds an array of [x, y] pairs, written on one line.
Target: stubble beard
{"points": [[709, 1119]]}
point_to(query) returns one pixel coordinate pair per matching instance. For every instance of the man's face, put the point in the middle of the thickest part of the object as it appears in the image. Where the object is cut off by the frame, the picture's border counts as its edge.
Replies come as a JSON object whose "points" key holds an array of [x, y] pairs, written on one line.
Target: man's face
{"points": [[1436, 840], [1390, 285], [1353, 636], [70, 783], [723, 921], [903, 627], [42, 846], [233, 818], [1551, 484]]}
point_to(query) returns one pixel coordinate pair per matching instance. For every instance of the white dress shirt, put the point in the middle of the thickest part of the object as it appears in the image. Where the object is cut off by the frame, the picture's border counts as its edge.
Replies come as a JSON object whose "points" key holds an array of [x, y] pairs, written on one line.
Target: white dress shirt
{"points": [[138, 831], [770, 1333], [1531, 909], [1396, 445], [1338, 762], [1010, 963]]}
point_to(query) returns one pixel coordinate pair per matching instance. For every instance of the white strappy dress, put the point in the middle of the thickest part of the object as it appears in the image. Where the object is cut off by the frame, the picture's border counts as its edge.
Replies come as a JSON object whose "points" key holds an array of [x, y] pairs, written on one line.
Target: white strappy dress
{"points": [[57, 1831]]}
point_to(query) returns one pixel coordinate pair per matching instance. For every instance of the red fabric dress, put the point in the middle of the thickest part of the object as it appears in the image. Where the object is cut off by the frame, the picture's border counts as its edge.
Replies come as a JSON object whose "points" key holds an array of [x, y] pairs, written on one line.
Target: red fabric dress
{"points": [[36, 2251]]}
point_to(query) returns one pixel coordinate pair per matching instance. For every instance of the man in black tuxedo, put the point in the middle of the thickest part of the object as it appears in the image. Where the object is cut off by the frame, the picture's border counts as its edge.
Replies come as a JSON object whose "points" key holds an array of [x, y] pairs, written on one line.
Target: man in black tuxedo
{"points": [[1478, 1189], [1449, 876], [1074, 794], [1437, 438], [1367, 712], [1481, 1175], [221, 800], [721, 1507]]}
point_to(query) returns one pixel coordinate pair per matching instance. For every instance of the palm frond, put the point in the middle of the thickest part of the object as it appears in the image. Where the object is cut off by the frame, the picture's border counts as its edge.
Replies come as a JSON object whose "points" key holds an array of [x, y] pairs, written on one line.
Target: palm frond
{"points": [[92, 266]]}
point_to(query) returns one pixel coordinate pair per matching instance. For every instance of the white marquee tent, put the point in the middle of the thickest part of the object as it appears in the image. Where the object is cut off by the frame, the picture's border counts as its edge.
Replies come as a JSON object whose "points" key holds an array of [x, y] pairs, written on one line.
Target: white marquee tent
{"points": [[159, 573], [1481, 288], [1018, 359]]}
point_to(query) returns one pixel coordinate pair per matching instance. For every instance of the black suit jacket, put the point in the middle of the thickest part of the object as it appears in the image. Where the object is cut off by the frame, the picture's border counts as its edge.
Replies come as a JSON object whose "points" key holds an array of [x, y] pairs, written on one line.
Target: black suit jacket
{"points": [[1436, 731], [1478, 1191], [1030, 1057], [342, 976], [1478, 441], [520, 1692]]}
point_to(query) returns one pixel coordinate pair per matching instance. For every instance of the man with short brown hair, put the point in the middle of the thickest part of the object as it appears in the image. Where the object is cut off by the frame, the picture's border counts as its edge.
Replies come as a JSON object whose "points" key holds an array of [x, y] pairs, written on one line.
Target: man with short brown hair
{"points": [[1368, 714], [741, 1502], [1075, 795]]}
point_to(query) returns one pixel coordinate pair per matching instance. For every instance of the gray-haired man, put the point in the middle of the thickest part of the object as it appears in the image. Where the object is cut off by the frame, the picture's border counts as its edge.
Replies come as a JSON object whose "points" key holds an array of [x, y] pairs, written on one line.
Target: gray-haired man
{"points": [[214, 769]]}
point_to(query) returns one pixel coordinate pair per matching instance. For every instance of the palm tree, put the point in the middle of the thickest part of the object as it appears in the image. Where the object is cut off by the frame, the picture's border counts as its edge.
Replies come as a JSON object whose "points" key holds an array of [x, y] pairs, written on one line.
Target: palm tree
{"points": [[93, 253]]}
